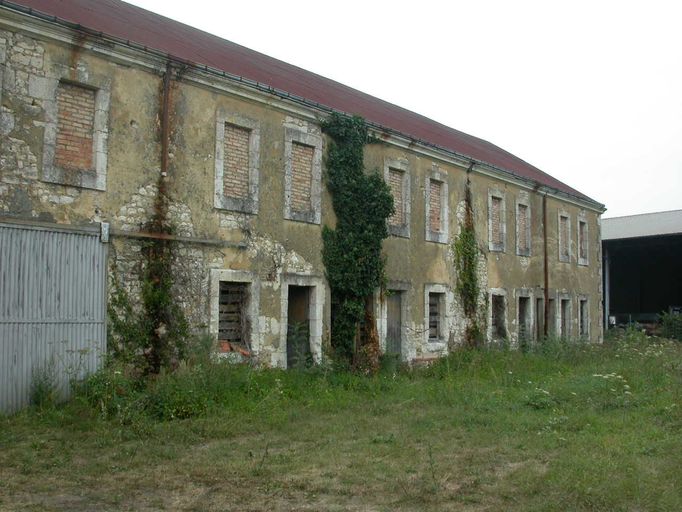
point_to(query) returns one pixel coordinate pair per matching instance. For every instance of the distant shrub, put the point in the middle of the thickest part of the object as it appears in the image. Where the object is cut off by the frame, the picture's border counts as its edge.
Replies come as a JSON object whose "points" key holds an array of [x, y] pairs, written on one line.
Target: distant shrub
{"points": [[43, 391], [671, 326]]}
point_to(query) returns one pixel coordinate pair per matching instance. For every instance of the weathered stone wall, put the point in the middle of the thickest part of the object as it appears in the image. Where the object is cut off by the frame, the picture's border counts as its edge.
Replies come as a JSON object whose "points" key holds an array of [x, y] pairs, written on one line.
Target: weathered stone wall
{"points": [[272, 238]]}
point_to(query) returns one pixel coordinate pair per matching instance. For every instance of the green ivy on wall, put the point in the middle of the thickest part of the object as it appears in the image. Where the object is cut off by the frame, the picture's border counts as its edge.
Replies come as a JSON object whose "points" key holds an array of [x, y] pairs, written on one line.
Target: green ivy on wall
{"points": [[351, 251]]}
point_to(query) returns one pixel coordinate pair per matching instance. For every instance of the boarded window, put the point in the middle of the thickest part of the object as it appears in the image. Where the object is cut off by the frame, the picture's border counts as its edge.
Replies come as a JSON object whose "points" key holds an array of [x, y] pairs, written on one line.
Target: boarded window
{"points": [[435, 316], [301, 176], [496, 221], [499, 330], [236, 161], [232, 324], [75, 127], [584, 319], [523, 229], [582, 240], [435, 206], [564, 253], [395, 183]]}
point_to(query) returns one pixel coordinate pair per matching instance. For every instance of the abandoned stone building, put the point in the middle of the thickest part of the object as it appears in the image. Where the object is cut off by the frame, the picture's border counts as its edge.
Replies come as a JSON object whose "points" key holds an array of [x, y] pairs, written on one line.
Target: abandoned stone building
{"points": [[103, 101]]}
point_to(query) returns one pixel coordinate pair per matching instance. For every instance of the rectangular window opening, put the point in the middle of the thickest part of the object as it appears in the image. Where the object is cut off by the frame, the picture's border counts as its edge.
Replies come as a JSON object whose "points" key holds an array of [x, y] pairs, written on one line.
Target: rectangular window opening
{"points": [[236, 161], [523, 230], [496, 221], [582, 242], [435, 207], [436, 302], [564, 238], [395, 183], [301, 176], [233, 325], [74, 149]]}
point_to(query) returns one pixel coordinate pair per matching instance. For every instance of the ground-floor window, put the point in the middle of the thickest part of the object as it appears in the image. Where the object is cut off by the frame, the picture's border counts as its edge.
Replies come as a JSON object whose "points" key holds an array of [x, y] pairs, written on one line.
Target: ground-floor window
{"points": [[233, 332], [524, 321], [584, 318], [436, 307], [564, 318]]}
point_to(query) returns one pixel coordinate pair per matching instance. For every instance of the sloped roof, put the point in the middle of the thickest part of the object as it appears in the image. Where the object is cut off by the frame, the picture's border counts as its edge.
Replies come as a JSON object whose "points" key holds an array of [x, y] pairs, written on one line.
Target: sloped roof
{"points": [[644, 224], [131, 23]]}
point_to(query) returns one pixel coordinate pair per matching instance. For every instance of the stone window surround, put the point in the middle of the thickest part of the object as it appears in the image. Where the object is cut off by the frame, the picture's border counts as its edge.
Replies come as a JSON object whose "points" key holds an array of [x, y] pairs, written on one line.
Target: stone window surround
{"points": [[442, 342], [560, 296], [403, 287], [582, 297], [252, 307], [221, 201], [45, 88], [501, 247], [525, 293], [562, 258], [582, 218], [400, 164], [301, 136], [441, 236], [524, 200], [315, 312]]}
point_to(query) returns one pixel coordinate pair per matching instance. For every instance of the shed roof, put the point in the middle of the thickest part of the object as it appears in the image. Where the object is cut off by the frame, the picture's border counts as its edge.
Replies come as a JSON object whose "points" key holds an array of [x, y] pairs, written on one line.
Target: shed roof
{"points": [[130, 23], [645, 224]]}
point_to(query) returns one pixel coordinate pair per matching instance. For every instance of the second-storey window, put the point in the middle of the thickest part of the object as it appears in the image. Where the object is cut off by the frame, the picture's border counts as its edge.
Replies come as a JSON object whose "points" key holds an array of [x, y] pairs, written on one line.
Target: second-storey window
{"points": [[564, 237], [523, 225], [436, 207], [302, 173], [397, 176], [75, 127], [582, 242], [237, 159], [496, 221]]}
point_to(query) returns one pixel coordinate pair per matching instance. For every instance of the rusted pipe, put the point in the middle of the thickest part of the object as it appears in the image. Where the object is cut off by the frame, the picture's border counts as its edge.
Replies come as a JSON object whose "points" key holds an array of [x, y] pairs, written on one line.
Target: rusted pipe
{"points": [[165, 117]]}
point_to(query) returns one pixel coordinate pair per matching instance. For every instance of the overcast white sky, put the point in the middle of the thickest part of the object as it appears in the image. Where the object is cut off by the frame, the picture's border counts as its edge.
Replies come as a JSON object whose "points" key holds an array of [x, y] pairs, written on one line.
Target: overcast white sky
{"points": [[588, 91]]}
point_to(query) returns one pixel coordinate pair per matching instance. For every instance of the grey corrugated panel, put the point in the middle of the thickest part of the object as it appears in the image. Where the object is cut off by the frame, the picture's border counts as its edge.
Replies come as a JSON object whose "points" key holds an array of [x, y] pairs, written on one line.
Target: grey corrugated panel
{"points": [[52, 308], [645, 224]]}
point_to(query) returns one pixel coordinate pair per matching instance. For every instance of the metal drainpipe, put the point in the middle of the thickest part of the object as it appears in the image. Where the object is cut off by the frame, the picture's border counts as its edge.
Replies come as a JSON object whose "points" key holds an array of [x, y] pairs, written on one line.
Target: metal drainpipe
{"points": [[165, 116], [544, 236]]}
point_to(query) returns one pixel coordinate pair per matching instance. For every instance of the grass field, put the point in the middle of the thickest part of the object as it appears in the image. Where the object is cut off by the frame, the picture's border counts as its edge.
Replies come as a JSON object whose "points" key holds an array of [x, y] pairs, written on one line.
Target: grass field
{"points": [[564, 427]]}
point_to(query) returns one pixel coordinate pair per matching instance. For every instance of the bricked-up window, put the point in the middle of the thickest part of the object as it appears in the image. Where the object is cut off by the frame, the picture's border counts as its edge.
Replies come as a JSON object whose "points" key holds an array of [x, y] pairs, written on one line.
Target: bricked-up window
{"points": [[301, 176], [582, 243], [395, 182], [522, 229], [75, 127], [397, 176], [435, 221], [232, 323], [496, 221], [302, 172], [564, 237], [237, 160], [436, 305], [436, 213]]}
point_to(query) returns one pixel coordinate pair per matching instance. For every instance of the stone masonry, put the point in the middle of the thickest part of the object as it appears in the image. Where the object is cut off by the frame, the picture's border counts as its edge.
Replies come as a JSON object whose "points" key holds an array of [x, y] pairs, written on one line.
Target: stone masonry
{"points": [[236, 162], [76, 118], [302, 169]]}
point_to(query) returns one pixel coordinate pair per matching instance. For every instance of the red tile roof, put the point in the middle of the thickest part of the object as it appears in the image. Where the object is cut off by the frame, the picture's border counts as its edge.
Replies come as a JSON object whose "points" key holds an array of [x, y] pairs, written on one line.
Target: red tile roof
{"points": [[131, 23]]}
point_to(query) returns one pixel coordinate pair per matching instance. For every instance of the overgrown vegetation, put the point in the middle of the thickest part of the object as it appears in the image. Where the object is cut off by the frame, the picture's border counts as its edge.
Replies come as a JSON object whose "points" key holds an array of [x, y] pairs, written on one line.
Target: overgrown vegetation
{"points": [[563, 427], [671, 326], [155, 335], [352, 250], [466, 251]]}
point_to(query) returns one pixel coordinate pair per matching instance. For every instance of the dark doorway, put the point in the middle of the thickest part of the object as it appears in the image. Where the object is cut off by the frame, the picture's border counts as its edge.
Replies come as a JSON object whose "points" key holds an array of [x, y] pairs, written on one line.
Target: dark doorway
{"points": [[499, 331], [539, 318], [565, 321], [524, 321], [298, 327]]}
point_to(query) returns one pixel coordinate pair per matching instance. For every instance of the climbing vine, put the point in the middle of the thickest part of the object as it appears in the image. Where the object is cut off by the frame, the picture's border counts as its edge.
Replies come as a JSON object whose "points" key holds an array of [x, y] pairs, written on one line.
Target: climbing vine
{"points": [[466, 252], [352, 250]]}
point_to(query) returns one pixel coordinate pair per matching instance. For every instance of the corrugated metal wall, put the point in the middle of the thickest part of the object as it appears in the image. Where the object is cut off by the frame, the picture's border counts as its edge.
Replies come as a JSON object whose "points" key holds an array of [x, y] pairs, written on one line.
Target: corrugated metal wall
{"points": [[52, 308]]}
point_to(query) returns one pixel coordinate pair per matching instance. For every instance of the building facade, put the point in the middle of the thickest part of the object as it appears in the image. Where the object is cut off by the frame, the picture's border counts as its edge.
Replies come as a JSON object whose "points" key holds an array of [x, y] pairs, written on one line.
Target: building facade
{"points": [[93, 122]]}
